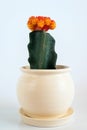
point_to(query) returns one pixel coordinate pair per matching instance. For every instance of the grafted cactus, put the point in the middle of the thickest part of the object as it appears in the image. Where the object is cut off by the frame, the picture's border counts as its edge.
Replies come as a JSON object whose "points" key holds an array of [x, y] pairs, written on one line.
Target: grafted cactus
{"points": [[41, 48]]}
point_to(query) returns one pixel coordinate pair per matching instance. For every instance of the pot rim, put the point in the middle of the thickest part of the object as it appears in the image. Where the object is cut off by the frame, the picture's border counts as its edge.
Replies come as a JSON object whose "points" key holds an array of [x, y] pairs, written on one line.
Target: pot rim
{"points": [[59, 69]]}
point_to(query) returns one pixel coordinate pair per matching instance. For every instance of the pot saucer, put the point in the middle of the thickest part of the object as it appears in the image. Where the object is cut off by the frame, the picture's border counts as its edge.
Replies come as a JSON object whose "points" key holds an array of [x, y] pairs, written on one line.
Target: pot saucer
{"points": [[46, 121]]}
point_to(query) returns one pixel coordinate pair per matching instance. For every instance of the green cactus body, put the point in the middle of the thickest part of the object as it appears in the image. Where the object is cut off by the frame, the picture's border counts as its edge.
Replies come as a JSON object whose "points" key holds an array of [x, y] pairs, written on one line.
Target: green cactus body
{"points": [[41, 50]]}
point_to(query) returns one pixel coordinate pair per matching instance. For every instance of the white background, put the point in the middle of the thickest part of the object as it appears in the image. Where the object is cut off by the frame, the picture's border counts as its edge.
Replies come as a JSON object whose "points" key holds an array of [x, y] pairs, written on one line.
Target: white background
{"points": [[71, 47]]}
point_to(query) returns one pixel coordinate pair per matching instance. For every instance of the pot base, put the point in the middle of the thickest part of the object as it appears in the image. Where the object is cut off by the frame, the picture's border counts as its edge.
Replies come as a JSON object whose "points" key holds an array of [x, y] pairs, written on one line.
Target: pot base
{"points": [[48, 121]]}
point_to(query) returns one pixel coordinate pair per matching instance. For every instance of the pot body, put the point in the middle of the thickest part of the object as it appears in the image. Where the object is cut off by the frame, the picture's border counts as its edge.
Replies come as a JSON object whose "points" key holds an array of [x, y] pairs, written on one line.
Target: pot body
{"points": [[45, 92]]}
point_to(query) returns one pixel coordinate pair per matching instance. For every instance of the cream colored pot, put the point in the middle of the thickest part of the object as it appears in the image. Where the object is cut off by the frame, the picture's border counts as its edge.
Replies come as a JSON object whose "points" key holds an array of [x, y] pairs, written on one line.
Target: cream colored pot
{"points": [[45, 93]]}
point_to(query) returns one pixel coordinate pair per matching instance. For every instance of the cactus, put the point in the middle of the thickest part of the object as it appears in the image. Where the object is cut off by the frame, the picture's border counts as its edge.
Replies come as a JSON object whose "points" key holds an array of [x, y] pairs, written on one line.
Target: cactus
{"points": [[41, 50], [41, 47]]}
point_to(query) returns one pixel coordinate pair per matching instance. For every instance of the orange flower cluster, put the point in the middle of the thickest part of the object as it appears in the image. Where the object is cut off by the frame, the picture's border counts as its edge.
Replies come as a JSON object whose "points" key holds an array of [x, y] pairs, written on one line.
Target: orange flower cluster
{"points": [[40, 23]]}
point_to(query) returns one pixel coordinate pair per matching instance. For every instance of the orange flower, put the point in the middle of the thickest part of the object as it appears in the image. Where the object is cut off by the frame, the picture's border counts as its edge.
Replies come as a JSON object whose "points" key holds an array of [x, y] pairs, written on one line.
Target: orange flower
{"points": [[52, 24], [40, 23], [47, 21]]}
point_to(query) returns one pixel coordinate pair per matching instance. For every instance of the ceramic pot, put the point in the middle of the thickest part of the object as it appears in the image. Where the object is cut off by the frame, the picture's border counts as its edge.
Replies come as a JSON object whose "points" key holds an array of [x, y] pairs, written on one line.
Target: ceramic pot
{"points": [[45, 93], [45, 96]]}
